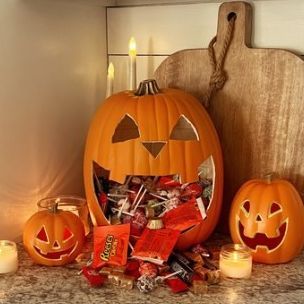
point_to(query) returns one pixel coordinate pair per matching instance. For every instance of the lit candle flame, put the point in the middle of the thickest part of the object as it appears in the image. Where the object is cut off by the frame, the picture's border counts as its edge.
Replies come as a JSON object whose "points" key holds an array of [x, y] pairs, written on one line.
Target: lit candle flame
{"points": [[132, 47], [111, 70]]}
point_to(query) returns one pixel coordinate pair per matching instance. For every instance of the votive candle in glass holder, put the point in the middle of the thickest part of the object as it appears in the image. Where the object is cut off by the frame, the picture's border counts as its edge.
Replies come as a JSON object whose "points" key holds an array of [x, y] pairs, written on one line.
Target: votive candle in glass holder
{"points": [[74, 204], [8, 257], [236, 261]]}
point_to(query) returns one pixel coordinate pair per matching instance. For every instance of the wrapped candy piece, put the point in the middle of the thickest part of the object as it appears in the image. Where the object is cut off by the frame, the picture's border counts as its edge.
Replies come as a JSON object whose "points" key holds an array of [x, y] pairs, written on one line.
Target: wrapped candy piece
{"points": [[177, 285], [145, 284], [199, 287], [111, 245], [105, 271], [165, 182], [182, 217], [179, 263], [203, 251], [209, 264], [148, 269], [201, 271], [173, 193], [155, 245], [103, 201], [94, 278], [155, 223], [195, 257], [193, 189], [138, 222], [213, 276], [114, 279], [132, 269], [126, 282]]}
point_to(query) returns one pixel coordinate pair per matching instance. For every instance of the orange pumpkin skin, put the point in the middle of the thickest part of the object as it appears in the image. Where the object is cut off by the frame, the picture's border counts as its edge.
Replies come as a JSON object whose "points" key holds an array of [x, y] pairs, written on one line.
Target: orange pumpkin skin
{"points": [[155, 116], [53, 238], [268, 217]]}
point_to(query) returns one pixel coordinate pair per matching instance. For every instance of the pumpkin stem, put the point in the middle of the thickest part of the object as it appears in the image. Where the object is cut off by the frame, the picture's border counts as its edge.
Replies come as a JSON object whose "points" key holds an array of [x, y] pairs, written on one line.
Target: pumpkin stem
{"points": [[147, 87], [54, 208], [269, 177]]}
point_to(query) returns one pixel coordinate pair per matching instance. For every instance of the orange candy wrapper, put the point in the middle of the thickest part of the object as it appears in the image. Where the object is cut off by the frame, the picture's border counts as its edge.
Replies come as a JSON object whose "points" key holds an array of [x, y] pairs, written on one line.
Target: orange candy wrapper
{"points": [[183, 217], [155, 245], [111, 245]]}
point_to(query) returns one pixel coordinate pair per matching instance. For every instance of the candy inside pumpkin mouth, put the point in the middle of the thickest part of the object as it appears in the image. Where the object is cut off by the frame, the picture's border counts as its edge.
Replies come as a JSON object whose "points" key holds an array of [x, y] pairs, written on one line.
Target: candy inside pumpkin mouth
{"points": [[261, 240], [161, 192], [56, 255]]}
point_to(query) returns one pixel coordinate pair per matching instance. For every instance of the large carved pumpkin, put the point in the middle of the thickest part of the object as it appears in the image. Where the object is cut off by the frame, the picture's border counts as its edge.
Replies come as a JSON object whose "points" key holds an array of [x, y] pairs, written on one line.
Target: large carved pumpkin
{"points": [[268, 217], [154, 132], [53, 237]]}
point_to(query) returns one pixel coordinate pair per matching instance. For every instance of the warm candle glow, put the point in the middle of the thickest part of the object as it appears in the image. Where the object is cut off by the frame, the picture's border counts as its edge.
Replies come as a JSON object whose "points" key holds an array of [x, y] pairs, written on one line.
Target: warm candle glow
{"points": [[110, 80], [8, 257], [235, 261], [132, 64], [132, 47], [111, 70]]}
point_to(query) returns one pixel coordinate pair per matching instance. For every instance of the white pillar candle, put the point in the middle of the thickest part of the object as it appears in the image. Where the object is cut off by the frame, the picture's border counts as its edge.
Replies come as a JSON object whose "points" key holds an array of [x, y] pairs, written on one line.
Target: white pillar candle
{"points": [[110, 80], [8, 257], [132, 64], [235, 261]]}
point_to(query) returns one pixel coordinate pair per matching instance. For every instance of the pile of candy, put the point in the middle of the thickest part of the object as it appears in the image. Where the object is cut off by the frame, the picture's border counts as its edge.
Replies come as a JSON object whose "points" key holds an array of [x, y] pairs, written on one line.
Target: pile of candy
{"points": [[192, 270], [143, 198], [147, 216]]}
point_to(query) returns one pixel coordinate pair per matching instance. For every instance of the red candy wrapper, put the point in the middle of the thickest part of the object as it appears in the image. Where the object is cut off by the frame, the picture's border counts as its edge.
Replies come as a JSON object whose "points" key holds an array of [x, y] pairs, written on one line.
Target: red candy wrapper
{"points": [[94, 278], [155, 245], [111, 245], [132, 269], [182, 217], [177, 285]]}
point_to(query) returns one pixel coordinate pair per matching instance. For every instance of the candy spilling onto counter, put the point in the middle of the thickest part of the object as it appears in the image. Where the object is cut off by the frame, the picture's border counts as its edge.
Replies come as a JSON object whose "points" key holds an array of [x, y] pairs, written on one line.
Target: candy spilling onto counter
{"points": [[146, 217]]}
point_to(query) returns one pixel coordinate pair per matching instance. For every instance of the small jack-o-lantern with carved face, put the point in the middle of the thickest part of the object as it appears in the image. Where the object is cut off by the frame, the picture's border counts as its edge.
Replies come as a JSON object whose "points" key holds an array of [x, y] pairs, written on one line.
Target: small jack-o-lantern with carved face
{"points": [[53, 237], [153, 132], [268, 217]]}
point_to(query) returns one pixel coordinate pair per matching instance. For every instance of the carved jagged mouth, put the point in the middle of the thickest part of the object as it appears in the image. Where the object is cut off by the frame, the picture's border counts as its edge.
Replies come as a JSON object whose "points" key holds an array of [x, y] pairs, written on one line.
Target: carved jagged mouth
{"points": [[57, 255], [261, 240]]}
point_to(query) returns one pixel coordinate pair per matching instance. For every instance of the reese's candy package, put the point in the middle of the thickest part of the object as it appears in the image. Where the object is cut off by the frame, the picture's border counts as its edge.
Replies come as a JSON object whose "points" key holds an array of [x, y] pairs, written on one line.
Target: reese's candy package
{"points": [[111, 245]]}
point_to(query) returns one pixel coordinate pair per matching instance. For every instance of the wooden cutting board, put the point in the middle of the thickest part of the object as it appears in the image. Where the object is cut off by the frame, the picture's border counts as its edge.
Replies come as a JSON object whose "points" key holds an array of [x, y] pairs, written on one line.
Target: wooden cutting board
{"points": [[258, 113]]}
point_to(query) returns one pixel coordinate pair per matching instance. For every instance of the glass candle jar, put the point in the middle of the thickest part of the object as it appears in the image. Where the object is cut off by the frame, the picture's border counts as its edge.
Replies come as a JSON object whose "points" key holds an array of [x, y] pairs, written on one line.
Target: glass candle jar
{"points": [[74, 204], [235, 261], [8, 257]]}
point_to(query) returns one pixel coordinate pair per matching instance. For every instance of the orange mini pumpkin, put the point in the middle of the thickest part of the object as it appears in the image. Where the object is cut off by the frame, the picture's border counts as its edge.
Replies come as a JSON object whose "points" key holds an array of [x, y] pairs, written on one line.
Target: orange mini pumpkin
{"points": [[268, 217], [153, 132], [53, 237]]}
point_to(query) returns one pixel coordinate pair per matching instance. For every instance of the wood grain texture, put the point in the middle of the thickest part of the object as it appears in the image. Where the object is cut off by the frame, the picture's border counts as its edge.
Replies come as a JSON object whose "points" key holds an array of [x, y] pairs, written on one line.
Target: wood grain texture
{"points": [[259, 112]]}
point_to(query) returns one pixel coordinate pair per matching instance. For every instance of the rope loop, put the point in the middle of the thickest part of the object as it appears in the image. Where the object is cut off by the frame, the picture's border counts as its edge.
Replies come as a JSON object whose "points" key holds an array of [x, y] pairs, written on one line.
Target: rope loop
{"points": [[218, 76]]}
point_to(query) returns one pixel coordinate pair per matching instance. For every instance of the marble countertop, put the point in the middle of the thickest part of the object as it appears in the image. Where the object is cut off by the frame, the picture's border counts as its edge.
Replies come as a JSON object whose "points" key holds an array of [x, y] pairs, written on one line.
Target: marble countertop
{"points": [[33, 284]]}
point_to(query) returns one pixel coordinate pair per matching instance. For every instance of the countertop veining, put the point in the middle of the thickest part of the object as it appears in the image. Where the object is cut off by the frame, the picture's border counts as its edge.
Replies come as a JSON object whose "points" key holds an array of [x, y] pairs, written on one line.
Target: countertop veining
{"points": [[33, 284]]}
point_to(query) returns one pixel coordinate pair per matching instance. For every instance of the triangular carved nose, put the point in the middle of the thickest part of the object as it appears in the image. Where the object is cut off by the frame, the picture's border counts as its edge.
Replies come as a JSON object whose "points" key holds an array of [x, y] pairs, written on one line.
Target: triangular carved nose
{"points": [[259, 218], [154, 147], [56, 245]]}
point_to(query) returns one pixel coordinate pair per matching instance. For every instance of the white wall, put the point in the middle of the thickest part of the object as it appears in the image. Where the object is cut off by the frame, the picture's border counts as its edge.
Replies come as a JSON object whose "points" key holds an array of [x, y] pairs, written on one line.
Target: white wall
{"points": [[52, 76], [161, 30]]}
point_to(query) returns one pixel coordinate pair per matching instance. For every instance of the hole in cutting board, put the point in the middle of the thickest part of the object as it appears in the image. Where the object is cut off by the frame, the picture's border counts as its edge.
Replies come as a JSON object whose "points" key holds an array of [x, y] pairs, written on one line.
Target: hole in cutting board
{"points": [[231, 15]]}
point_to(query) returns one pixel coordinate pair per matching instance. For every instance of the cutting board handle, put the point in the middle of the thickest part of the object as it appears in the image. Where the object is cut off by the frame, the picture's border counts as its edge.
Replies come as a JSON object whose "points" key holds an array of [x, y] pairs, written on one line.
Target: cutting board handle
{"points": [[242, 27]]}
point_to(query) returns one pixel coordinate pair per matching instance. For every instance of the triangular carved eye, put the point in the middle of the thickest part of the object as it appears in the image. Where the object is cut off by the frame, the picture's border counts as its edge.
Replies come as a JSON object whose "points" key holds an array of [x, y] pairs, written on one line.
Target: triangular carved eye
{"points": [[274, 209], [42, 236], [246, 208], [126, 129], [184, 130], [67, 234]]}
